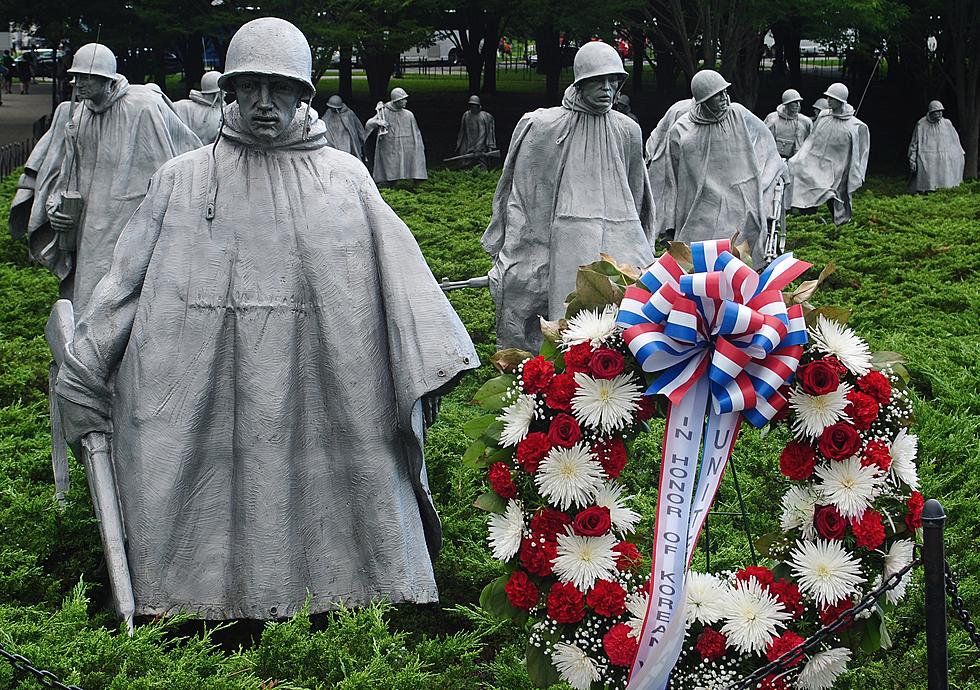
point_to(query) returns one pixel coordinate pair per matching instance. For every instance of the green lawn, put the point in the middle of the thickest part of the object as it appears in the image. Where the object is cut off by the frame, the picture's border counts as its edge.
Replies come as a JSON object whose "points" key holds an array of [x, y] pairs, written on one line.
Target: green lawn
{"points": [[907, 267]]}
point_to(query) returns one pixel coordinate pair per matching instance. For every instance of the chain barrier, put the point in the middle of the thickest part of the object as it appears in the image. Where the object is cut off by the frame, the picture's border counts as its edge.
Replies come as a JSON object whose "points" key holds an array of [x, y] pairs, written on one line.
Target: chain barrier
{"points": [[956, 601], [45, 678]]}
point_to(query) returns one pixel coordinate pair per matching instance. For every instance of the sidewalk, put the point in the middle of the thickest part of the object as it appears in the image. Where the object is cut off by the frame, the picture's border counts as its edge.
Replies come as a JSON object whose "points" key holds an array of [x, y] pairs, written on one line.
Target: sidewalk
{"points": [[18, 113]]}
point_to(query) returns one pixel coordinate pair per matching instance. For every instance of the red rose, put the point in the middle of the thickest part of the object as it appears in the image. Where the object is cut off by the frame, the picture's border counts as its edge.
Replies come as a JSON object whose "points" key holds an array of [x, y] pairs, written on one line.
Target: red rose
{"points": [[787, 641], [565, 603], [914, 518], [862, 409], [538, 555], [763, 575], [877, 453], [789, 596], [839, 441], [869, 531], [606, 363], [549, 523], [829, 523], [521, 591], [620, 646], [564, 431], [607, 598], [831, 612], [627, 556], [611, 455], [577, 358], [877, 385], [711, 644], [797, 460], [647, 408], [819, 377], [532, 450], [500, 480], [592, 522], [537, 374], [561, 390]]}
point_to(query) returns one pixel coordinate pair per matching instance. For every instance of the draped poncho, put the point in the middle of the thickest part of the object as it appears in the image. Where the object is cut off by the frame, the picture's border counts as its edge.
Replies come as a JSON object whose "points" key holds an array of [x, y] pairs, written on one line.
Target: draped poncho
{"points": [[937, 154], [789, 131], [202, 114], [477, 133], [399, 154], [658, 164], [344, 131]]}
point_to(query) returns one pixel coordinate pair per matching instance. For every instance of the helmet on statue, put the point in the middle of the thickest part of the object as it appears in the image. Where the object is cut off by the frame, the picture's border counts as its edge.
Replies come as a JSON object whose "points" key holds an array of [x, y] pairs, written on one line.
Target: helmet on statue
{"points": [[837, 91], [706, 84], [934, 106], [335, 102], [272, 47], [597, 59], [209, 82], [821, 104], [94, 58], [474, 100], [398, 94], [791, 96]]}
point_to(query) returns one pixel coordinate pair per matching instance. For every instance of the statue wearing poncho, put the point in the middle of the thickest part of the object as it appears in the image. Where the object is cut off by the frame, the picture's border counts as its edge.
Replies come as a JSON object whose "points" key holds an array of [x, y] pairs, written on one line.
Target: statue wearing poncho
{"points": [[788, 125], [573, 185], [268, 365], [936, 156], [477, 134], [399, 153], [344, 131], [655, 154], [201, 110]]}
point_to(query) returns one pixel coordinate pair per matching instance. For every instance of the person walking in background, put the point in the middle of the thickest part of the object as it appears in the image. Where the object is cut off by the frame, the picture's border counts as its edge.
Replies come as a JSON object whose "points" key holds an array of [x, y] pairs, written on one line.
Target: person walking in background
{"points": [[8, 71], [25, 72]]}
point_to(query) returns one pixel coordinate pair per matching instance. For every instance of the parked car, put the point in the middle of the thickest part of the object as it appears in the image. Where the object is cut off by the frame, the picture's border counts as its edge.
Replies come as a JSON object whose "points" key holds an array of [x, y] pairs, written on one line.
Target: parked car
{"points": [[42, 61], [813, 49], [441, 49]]}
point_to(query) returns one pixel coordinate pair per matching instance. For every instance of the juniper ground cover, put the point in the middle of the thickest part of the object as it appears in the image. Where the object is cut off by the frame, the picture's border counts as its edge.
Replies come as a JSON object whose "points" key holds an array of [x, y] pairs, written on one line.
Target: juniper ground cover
{"points": [[907, 267]]}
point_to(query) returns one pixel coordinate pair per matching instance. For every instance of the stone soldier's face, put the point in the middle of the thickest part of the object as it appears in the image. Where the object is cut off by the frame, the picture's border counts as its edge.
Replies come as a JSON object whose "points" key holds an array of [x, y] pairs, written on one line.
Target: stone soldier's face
{"points": [[267, 103], [599, 92], [474, 108], [835, 104], [92, 87], [793, 107], [399, 104], [935, 116], [718, 104]]}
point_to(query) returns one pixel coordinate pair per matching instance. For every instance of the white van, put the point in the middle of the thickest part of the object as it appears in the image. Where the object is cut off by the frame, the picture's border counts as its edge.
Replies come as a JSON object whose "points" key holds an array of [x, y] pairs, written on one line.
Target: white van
{"points": [[443, 49]]}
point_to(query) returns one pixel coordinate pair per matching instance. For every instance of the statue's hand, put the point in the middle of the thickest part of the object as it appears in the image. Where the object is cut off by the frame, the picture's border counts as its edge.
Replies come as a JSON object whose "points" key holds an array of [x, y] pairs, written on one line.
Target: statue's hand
{"points": [[60, 221], [78, 421], [430, 409], [912, 167]]}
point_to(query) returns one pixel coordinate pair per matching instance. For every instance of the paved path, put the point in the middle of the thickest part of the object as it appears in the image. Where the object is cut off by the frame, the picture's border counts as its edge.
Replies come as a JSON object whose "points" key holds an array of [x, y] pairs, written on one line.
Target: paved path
{"points": [[18, 113]]}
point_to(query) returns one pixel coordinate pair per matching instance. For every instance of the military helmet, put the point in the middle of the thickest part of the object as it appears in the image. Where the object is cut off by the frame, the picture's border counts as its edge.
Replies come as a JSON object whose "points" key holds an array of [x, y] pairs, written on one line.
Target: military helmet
{"points": [[94, 58], [935, 105], [791, 96], [838, 91], [398, 94], [209, 82], [623, 99], [474, 100], [269, 46], [821, 104], [597, 59], [335, 102], [706, 84]]}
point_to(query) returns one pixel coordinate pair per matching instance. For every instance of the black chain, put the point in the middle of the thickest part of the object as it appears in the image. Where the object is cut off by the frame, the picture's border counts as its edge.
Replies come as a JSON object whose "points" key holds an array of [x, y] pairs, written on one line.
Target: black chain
{"points": [[785, 663], [956, 601], [45, 678]]}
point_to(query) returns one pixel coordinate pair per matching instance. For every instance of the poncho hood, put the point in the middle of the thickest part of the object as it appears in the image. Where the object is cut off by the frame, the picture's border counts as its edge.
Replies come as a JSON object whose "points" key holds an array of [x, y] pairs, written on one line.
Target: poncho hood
{"points": [[118, 89], [846, 112], [573, 100], [209, 100], [702, 116], [783, 113], [305, 132]]}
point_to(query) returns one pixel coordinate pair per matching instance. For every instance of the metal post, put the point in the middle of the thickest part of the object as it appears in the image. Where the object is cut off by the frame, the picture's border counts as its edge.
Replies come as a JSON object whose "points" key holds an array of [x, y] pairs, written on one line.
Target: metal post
{"points": [[934, 560]]}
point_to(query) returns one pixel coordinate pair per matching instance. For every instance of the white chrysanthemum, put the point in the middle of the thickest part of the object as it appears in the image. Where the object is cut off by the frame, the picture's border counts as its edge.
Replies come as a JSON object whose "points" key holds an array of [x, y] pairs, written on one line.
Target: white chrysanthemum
{"points": [[517, 418], [506, 531], [636, 605], [899, 555], [590, 326], [903, 451], [574, 666], [569, 476], [814, 413], [752, 616], [821, 671], [798, 506], [825, 570], [840, 341], [703, 596], [605, 404], [848, 485], [610, 495], [583, 560]]}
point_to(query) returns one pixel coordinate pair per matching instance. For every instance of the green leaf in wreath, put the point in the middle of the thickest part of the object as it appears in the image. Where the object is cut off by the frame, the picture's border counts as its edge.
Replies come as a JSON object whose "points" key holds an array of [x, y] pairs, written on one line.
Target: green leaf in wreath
{"points": [[493, 394], [506, 361], [539, 667], [475, 455], [593, 289], [837, 314], [871, 638], [494, 599], [492, 434], [774, 545], [476, 427], [490, 502]]}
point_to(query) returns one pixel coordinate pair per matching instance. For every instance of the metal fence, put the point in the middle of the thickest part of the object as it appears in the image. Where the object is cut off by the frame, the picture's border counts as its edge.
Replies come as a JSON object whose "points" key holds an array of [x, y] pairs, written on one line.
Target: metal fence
{"points": [[14, 155]]}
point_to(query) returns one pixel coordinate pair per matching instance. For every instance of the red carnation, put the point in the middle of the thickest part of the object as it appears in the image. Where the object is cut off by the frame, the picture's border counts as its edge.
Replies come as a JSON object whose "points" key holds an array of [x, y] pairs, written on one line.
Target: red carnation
{"points": [[877, 453], [565, 603], [711, 644], [829, 523], [841, 369], [561, 390], [521, 591], [819, 377], [862, 409], [877, 385], [564, 431], [532, 450], [500, 480], [789, 640], [537, 374], [549, 523], [647, 408], [606, 363], [577, 358], [607, 598], [537, 555], [763, 575], [611, 455], [831, 612], [839, 441], [627, 556], [592, 522], [621, 647], [869, 531], [789, 596], [914, 518], [797, 460]]}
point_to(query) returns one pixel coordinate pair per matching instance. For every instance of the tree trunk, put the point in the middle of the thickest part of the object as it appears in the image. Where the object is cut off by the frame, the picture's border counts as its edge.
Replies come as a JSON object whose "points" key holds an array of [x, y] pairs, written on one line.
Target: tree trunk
{"points": [[346, 76], [666, 70], [490, 63], [549, 60], [160, 68], [193, 62], [379, 68], [638, 44]]}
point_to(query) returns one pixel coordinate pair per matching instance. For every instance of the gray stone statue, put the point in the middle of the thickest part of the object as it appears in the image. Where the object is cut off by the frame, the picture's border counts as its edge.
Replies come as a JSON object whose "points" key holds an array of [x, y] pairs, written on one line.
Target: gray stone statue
{"points": [[259, 350], [573, 185], [831, 164], [936, 156], [476, 143], [622, 105], [723, 169], [788, 125], [201, 110], [658, 163], [344, 131], [819, 106], [399, 153], [116, 139]]}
